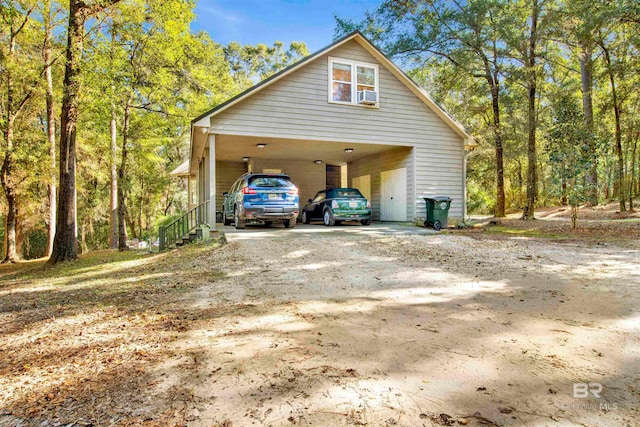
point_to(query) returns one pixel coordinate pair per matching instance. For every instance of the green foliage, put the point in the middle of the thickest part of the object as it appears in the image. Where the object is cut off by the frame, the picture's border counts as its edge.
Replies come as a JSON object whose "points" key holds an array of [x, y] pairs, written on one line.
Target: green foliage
{"points": [[141, 60], [250, 64], [34, 244], [479, 201], [567, 148], [449, 48]]}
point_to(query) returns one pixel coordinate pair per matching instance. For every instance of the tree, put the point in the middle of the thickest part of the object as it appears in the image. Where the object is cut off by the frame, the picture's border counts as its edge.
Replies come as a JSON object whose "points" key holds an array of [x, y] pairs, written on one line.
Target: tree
{"points": [[65, 246], [568, 149], [249, 63], [150, 75], [464, 34], [20, 78], [48, 16]]}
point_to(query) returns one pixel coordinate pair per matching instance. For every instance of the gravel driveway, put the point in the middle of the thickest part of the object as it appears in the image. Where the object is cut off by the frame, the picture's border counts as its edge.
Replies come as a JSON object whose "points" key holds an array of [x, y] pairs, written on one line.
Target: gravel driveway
{"points": [[381, 328]]}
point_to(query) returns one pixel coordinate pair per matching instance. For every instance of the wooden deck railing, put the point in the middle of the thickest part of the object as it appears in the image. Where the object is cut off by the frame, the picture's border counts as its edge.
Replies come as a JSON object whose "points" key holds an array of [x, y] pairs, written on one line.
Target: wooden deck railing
{"points": [[181, 227]]}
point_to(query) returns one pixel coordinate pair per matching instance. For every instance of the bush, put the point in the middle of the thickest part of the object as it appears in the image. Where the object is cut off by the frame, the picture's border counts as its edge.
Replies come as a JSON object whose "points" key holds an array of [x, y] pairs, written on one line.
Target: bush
{"points": [[34, 244], [479, 201]]}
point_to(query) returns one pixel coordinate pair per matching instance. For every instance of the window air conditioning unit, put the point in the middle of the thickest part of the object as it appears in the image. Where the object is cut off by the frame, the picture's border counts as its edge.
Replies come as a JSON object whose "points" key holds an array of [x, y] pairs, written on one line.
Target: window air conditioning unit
{"points": [[367, 97]]}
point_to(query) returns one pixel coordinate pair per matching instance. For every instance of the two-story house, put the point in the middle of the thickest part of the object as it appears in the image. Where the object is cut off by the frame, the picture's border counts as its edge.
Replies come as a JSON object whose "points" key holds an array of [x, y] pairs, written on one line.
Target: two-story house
{"points": [[343, 116]]}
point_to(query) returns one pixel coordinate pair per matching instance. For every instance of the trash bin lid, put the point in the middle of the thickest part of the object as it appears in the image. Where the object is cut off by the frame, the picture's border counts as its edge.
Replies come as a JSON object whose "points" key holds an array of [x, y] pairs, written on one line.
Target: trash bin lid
{"points": [[439, 198]]}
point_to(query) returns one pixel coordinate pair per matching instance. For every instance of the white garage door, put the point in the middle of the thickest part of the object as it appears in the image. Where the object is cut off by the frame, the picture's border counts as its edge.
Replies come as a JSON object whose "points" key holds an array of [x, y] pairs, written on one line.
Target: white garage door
{"points": [[393, 195]]}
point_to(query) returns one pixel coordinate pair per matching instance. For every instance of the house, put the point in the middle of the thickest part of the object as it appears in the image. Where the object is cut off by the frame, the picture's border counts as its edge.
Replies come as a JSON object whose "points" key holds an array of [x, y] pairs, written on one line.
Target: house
{"points": [[343, 116]]}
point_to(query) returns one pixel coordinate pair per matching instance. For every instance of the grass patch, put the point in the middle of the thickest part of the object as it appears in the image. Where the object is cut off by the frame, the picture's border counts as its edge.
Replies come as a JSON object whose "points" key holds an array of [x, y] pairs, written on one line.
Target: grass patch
{"points": [[78, 340]]}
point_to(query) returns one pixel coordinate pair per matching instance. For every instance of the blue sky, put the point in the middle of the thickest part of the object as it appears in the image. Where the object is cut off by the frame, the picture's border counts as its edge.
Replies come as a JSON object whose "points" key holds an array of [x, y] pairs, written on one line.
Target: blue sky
{"points": [[265, 21]]}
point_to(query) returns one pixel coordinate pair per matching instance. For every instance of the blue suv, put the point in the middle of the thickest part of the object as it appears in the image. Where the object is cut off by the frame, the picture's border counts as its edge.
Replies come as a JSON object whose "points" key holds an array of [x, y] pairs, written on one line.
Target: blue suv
{"points": [[261, 198]]}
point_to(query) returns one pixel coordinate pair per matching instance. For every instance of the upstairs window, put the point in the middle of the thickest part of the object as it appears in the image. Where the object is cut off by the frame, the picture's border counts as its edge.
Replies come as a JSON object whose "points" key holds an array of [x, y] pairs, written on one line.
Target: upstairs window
{"points": [[347, 78], [341, 82]]}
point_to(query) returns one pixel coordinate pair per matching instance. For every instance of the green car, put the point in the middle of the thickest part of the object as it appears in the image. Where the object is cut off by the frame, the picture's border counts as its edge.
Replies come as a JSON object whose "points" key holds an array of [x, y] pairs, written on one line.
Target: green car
{"points": [[336, 205]]}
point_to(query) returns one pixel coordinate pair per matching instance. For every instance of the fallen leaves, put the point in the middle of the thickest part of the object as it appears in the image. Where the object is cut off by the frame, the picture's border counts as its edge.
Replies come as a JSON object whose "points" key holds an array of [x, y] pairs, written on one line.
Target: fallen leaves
{"points": [[80, 346]]}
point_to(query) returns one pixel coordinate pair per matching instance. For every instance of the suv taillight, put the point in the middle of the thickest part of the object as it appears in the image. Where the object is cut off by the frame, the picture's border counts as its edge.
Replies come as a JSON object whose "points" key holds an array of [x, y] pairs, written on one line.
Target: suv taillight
{"points": [[293, 192], [334, 204], [247, 190], [368, 204]]}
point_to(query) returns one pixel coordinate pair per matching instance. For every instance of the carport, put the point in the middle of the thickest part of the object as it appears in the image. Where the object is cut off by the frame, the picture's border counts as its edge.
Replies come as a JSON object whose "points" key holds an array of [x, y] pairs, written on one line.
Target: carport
{"points": [[313, 165]]}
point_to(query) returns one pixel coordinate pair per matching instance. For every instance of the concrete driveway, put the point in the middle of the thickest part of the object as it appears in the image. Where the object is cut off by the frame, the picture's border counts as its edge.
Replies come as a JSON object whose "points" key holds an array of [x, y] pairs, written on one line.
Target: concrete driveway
{"points": [[306, 231]]}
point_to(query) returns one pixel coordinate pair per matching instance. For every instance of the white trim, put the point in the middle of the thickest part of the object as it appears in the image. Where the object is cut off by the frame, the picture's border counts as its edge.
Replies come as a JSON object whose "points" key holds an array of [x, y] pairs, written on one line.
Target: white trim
{"points": [[354, 81], [212, 182], [414, 165]]}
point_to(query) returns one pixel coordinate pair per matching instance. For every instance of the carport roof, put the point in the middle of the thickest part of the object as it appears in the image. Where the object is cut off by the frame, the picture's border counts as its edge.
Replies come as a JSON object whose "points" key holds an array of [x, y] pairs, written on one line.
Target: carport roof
{"points": [[203, 119], [182, 170]]}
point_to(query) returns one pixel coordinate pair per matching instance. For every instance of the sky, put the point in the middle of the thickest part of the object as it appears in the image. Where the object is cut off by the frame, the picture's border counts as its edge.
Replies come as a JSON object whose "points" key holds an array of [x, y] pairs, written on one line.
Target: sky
{"points": [[267, 21]]}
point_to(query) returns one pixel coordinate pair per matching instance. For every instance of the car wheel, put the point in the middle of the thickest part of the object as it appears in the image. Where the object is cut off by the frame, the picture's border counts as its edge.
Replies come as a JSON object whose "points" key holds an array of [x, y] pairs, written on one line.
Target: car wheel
{"points": [[365, 222], [327, 218], [225, 220], [239, 223], [289, 223], [437, 226], [305, 218]]}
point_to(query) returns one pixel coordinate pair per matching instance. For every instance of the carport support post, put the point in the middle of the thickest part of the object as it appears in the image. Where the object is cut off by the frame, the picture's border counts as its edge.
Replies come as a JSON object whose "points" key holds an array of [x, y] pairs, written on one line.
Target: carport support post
{"points": [[212, 182]]}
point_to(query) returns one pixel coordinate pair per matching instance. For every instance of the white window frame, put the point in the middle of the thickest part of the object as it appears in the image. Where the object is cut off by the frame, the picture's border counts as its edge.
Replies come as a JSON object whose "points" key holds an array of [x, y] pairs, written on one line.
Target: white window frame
{"points": [[354, 81]]}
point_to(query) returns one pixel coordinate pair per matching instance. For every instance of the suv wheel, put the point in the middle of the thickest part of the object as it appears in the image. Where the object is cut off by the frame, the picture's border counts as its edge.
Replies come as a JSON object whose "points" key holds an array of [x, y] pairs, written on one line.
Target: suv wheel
{"points": [[225, 220], [289, 223], [239, 223]]}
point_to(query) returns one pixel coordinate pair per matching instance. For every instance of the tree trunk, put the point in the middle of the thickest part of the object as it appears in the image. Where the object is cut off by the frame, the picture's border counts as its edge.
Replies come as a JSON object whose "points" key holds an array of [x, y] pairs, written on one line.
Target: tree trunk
{"points": [[618, 132], [11, 220], [113, 217], [8, 165], [497, 132], [564, 201], [141, 206], [586, 78], [130, 223], [632, 187], [51, 127], [532, 177], [122, 229], [574, 216], [65, 244]]}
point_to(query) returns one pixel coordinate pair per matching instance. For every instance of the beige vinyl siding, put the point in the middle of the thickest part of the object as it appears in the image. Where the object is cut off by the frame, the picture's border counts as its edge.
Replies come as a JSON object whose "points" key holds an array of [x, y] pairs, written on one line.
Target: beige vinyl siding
{"points": [[374, 165], [296, 107], [226, 175], [306, 175], [438, 175]]}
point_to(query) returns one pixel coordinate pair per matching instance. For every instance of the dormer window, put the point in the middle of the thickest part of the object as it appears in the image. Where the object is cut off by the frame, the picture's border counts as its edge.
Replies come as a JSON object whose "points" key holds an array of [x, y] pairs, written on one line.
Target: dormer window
{"points": [[354, 83]]}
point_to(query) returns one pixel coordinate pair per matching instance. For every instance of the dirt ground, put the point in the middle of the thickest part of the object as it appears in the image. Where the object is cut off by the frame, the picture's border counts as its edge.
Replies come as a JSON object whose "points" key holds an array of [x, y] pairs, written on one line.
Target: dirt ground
{"points": [[353, 329], [607, 211]]}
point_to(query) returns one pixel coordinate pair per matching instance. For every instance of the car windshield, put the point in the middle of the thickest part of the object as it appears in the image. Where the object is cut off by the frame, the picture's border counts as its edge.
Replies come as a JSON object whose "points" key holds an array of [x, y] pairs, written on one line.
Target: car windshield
{"points": [[346, 192], [270, 181]]}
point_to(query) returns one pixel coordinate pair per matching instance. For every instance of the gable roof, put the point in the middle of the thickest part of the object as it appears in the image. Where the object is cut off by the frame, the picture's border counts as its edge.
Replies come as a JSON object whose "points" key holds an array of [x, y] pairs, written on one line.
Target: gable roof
{"points": [[357, 36]]}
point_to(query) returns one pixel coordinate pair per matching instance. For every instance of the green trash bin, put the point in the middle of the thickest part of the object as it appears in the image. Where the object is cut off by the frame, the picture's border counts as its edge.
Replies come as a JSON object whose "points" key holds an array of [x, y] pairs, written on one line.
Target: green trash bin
{"points": [[437, 211]]}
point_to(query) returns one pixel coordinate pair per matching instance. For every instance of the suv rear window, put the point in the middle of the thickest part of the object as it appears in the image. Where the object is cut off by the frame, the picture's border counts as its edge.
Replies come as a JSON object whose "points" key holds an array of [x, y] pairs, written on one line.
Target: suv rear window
{"points": [[270, 181]]}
